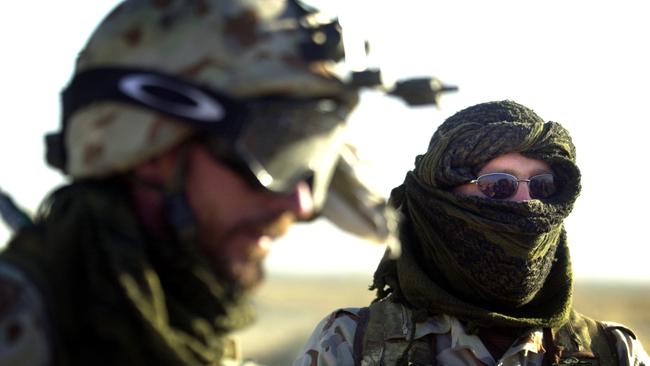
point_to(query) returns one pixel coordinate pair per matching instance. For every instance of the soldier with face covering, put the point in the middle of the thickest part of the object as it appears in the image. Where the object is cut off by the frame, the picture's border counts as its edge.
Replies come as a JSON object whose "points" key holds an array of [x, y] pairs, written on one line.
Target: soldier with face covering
{"points": [[484, 276]]}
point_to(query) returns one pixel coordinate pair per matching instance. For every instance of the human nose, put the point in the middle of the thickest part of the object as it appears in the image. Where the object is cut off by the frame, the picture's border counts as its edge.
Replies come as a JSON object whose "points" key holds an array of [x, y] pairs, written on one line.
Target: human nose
{"points": [[523, 192], [301, 201]]}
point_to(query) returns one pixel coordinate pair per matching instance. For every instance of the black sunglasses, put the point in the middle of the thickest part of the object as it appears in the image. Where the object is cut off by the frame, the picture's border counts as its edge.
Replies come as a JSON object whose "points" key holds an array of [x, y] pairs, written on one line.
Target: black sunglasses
{"points": [[502, 185]]}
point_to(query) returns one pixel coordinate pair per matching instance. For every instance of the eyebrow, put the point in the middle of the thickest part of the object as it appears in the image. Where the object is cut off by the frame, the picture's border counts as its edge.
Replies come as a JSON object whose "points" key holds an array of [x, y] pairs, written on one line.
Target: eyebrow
{"points": [[533, 173]]}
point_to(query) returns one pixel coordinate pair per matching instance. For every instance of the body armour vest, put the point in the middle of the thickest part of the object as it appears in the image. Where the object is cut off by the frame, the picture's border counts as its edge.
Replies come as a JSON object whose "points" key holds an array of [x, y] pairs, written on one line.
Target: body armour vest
{"points": [[581, 341]]}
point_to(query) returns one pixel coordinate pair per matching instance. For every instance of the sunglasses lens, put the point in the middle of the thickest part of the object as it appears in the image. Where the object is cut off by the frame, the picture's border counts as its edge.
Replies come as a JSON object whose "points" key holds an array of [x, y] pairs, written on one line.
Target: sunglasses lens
{"points": [[497, 185], [542, 186]]}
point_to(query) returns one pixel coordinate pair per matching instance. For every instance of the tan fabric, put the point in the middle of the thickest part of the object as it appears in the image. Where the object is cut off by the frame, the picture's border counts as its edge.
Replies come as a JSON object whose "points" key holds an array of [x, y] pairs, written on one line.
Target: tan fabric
{"points": [[240, 48]]}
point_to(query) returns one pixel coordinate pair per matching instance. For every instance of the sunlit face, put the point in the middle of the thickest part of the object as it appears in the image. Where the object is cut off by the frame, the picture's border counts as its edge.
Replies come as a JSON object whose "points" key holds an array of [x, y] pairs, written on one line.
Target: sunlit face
{"points": [[512, 163], [236, 221]]}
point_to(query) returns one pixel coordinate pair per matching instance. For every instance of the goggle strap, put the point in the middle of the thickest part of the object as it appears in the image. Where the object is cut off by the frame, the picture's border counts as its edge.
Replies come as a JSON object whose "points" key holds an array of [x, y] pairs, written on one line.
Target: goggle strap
{"points": [[179, 212], [191, 103]]}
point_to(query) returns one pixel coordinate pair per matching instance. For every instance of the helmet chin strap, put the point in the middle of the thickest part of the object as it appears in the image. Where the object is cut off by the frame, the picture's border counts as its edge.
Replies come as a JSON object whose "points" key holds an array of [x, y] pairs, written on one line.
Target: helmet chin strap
{"points": [[179, 213]]}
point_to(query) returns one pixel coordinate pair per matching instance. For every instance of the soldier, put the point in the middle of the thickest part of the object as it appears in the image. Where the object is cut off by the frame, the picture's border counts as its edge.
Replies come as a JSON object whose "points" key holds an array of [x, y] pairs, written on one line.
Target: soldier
{"points": [[193, 134], [484, 277]]}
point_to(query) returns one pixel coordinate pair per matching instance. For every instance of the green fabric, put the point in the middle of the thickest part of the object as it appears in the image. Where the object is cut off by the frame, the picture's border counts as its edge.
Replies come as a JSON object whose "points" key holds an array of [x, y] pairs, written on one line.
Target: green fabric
{"points": [[116, 297], [580, 338], [490, 262]]}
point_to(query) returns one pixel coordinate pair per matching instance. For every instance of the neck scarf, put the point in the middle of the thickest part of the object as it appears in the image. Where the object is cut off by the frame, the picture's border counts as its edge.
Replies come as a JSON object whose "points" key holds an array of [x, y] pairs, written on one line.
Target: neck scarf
{"points": [[116, 296], [489, 262]]}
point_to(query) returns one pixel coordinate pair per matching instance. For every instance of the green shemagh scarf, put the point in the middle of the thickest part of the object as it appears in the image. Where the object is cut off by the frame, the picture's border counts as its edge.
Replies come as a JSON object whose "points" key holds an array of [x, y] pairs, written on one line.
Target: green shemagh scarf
{"points": [[489, 262], [116, 297]]}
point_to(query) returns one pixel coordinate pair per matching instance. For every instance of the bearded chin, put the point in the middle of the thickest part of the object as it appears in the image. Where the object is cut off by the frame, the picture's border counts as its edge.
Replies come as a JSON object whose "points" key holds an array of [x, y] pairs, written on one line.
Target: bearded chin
{"points": [[236, 256], [249, 275]]}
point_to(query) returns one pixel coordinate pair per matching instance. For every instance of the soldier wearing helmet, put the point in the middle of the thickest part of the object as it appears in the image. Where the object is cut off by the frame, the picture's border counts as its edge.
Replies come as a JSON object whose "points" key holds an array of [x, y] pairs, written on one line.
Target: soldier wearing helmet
{"points": [[193, 133]]}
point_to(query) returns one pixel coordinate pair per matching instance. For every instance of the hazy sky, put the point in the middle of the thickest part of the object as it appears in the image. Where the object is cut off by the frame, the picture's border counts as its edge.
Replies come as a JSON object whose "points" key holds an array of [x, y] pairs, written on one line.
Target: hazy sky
{"points": [[580, 63]]}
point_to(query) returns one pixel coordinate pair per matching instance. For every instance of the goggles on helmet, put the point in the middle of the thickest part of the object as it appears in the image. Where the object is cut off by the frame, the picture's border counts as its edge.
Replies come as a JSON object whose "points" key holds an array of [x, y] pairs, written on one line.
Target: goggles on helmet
{"points": [[273, 142]]}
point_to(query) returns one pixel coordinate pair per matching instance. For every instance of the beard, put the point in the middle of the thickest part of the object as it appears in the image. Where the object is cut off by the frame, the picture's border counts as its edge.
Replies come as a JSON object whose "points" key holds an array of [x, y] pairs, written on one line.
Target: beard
{"points": [[238, 254]]}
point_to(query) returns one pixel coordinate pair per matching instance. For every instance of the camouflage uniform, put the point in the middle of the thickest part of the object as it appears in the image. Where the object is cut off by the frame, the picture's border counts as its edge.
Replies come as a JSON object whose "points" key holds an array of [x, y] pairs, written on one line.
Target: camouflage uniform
{"points": [[22, 321], [333, 343]]}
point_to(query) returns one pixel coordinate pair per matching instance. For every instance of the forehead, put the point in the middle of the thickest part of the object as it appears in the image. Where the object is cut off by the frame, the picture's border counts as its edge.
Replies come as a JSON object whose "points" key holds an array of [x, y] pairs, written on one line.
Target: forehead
{"points": [[516, 164]]}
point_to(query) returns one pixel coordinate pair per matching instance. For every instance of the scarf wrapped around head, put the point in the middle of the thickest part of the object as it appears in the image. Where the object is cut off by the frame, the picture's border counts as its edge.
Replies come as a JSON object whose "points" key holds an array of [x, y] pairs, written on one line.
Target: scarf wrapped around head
{"points": [[489, 262]]}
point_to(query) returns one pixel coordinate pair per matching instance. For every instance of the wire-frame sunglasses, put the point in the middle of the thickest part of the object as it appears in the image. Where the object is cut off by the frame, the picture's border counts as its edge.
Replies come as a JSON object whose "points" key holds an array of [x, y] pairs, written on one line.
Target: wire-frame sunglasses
{"points": [[504, 185]]}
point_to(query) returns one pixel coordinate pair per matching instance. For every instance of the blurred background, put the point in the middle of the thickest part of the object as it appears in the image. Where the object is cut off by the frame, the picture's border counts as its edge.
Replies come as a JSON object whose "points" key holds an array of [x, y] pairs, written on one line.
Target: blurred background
{"points": [[580, 63]]}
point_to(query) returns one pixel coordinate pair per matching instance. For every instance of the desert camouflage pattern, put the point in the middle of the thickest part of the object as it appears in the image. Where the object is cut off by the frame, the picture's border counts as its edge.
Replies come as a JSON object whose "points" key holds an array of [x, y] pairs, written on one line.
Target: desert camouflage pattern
{"points": [[243, 48], [23, 334], [332, 343]]}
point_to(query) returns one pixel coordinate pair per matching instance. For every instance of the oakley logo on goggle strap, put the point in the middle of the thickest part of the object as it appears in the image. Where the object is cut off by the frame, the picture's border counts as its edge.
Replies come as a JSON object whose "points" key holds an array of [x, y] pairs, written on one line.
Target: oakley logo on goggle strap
{"points": [[154, 90], [170, 96], [503, 185]]}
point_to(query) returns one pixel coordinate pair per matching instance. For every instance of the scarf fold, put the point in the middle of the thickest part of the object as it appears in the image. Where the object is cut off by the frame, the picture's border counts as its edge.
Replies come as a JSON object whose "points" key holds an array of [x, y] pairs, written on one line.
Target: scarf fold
{"points": [[419, 281], [488, 262], [118, 297]]}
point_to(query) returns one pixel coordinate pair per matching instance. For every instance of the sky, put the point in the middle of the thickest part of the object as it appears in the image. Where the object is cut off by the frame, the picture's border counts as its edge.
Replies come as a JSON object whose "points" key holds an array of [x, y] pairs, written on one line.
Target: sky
{"points": [[580, 63]]}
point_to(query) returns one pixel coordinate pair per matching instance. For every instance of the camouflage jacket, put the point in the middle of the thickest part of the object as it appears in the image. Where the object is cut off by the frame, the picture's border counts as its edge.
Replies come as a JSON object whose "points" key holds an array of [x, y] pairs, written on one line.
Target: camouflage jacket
{"points": [[24, 339], [333, 342]]}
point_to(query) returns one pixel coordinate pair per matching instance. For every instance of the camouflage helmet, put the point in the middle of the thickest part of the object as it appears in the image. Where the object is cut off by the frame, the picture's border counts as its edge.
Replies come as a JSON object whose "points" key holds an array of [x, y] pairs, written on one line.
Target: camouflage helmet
{"points": [[154, 72], [240, 48]]}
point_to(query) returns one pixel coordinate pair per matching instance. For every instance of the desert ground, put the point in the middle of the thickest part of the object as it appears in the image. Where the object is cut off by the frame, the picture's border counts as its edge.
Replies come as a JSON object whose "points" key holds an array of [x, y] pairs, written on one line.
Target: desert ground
{"points": [[290, 306]]}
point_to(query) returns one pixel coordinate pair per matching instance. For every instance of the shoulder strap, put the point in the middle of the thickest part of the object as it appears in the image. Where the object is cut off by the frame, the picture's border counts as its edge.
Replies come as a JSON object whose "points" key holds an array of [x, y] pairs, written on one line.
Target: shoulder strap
{"points": [[584, 340], [611, 341], [372, 345], [357, 347], [383, 336]]}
